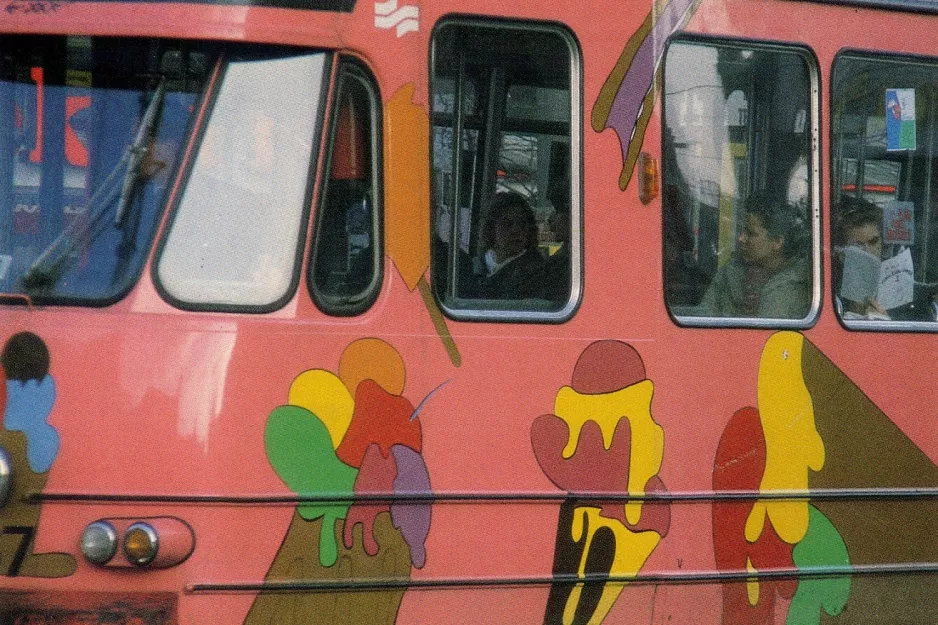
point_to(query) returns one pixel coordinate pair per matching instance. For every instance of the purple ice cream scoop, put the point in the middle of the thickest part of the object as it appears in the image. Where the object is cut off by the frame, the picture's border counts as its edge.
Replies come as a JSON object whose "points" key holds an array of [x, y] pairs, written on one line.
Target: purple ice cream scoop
{"points": [[412, 519]]}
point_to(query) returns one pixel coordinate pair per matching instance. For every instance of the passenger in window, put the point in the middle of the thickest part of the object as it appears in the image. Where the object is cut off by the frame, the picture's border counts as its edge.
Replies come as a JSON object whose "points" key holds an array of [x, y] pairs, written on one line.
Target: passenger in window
{"points": [[557, 265], [926, 308], [769, 275], [860, 225], [924, 305], [513, 266]]}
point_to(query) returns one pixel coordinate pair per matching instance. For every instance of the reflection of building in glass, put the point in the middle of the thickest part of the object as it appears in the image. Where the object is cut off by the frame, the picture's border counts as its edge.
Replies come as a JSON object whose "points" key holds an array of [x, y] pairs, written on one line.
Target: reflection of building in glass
{"points": [[736, 125]]}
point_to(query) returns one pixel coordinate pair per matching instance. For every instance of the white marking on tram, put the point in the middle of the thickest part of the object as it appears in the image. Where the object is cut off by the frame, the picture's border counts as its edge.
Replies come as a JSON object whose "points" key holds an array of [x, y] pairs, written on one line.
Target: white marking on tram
{"points": [[405, 18]]}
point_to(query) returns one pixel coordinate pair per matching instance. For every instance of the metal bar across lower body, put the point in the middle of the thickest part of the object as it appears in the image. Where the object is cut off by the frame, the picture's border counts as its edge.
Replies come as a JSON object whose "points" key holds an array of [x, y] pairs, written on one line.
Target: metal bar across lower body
{"points": [[703, 577], [496, 497]]}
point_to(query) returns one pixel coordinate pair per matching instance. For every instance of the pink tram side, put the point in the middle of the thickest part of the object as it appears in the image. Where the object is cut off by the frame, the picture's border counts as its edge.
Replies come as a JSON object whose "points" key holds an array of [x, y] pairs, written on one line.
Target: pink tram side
{"points": [[271, 355]]}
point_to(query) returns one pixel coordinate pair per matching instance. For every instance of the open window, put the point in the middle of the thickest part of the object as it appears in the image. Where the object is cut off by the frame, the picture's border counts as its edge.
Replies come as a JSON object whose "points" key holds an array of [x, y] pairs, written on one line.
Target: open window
{"points": [[505, 163], [739, 193], [347, 258], [884, 182]]}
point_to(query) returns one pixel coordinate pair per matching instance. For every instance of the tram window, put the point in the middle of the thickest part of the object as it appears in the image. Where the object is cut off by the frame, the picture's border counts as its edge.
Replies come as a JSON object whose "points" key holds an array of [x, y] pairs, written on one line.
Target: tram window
{"points": [[234, 242], [884, 172], [740, 231], [346, 268], [91, 131], [506, 216]]}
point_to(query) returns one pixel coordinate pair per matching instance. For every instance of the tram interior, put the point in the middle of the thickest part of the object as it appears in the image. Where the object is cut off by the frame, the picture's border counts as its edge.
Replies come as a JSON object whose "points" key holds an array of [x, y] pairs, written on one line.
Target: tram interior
{"points": [[514, 125]]}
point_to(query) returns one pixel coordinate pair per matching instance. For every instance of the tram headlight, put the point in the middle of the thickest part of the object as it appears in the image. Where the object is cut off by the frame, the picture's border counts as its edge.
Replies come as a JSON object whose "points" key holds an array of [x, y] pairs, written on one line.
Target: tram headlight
{"points": [[141, 542], [145, 542], [99, 542], [6, 475]]}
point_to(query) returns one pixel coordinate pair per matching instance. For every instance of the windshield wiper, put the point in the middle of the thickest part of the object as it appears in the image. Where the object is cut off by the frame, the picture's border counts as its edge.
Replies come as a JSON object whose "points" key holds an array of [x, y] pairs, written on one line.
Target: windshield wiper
{"points": [[137, 152], [46, 270]]}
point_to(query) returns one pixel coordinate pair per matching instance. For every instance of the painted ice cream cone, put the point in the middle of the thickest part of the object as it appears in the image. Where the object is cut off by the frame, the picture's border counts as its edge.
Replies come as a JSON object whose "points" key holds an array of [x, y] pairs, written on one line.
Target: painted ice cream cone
{"points": [[814, 429], [28, 396], [343, 436], [601, 439], [297, 561]]}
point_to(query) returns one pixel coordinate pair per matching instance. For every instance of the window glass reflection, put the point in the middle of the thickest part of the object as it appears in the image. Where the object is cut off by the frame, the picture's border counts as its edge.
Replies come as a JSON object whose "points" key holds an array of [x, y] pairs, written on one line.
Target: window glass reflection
{"points": [[737, 199], [884, 227]]}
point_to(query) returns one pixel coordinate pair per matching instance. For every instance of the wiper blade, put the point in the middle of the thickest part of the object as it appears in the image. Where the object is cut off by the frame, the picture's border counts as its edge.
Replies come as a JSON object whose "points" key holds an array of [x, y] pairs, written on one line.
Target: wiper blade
{"points": [[138, 151], [51, 264]]}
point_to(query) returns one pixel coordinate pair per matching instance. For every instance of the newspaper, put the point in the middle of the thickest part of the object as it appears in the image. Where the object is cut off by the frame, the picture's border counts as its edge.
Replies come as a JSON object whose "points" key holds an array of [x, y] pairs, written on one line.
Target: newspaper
{"points": [[890, 282]]}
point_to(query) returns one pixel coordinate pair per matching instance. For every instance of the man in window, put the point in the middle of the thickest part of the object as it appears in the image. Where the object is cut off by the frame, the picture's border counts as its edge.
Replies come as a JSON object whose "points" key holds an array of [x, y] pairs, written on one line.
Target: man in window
{"points": [[860, 225], [769, 274]]}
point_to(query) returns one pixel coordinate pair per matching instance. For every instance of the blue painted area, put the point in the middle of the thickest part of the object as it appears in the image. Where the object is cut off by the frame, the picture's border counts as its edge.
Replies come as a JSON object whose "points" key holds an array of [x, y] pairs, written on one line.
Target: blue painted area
{"points": [[28, 406]]}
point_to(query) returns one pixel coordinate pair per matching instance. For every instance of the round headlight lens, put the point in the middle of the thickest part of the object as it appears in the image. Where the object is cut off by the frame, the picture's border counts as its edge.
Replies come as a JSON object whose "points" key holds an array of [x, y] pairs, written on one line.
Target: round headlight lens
{"points": [[99, 542], [141, 543], [6, 475]]}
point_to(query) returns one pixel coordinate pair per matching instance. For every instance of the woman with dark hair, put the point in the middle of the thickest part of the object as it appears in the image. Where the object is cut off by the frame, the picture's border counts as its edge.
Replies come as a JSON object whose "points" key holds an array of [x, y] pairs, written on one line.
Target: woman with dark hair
{"points": [[514, 268], [769, 275]]}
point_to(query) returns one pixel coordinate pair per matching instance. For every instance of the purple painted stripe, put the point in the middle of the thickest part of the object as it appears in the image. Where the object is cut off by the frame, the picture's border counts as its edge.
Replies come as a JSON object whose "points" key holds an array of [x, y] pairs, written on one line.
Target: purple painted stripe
{"points": [[639, 78]]}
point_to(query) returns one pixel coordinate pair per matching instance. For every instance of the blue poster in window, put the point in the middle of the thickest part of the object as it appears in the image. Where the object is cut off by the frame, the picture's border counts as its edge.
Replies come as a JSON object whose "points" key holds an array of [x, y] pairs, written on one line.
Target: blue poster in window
{"points": [[900, 120]]}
